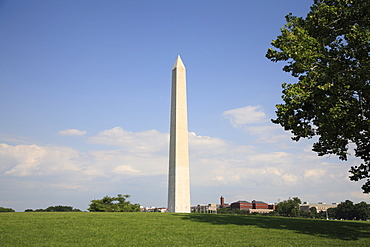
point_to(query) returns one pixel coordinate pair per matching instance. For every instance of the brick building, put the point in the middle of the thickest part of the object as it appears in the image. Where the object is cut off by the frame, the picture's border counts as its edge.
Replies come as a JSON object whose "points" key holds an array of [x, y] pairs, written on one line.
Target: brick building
{"points": [[222, 203], [254, 206], [242, 205]]}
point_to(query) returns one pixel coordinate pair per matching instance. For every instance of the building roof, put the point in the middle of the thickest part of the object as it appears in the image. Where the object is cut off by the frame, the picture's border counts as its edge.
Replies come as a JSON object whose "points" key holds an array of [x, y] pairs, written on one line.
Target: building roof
{"points": [[241, 201], [254, 201]]}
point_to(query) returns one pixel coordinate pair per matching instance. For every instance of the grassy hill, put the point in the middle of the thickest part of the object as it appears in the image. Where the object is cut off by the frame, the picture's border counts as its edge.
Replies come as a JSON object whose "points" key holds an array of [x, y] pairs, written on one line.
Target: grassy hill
{"points": [[159, 229]]}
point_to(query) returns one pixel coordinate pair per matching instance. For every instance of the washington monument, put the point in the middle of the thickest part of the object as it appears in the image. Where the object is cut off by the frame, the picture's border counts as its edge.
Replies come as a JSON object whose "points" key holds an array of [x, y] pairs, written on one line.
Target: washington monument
{"points": [[178, 177]]}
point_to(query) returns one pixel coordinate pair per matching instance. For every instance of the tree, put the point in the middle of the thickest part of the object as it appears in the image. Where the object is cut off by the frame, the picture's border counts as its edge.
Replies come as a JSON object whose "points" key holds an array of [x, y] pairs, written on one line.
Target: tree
{"points": [[239, 211], [349, 211], [225, 211], [346, 210], [62, 208], [113, 204], [59, 208], [289, 207], [313, 212], [328, 52], [2, 210], [362, 211], [332, 212]]}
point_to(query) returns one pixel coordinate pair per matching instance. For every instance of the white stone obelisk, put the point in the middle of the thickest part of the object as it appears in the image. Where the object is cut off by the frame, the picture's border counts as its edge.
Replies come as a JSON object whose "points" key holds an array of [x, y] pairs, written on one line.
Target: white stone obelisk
{"points": [[178, 177]]}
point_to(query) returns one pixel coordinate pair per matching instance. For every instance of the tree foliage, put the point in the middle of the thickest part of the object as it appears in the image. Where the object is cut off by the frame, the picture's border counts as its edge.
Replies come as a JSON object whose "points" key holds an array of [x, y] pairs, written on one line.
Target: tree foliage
{"points": [[346, 210], [289, 208], [3, 210], [349, 211], [230, 211], [362, 211], [113, 204], [328, 52], [225, 210], [59, 208]]}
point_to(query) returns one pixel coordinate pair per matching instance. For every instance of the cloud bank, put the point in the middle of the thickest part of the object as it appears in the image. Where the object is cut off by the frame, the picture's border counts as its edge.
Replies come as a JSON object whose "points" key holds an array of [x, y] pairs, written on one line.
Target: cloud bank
{"points": [[138, 162]]}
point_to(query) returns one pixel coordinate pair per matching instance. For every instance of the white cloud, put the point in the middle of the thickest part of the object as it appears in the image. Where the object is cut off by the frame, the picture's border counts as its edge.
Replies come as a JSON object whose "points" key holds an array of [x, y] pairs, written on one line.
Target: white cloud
{"points": [[136, 142], [27, 160], [110, 163], [246, 115], [205, 146], [319, 172], [123, 169], [72, 132], [290, 178], [252, 120]]}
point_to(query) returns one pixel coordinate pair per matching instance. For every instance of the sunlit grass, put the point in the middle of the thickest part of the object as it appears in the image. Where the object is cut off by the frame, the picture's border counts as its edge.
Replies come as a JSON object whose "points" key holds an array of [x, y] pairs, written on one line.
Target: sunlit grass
{"points": [[159, 229]]}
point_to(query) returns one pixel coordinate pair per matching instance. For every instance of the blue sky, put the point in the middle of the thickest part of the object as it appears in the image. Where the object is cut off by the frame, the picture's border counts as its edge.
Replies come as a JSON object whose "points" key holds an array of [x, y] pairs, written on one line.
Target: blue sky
{"points": [[85, 104]]}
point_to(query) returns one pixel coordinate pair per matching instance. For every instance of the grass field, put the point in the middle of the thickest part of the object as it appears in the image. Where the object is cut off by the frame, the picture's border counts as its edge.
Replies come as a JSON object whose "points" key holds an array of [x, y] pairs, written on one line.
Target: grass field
{"points": [[164, 229]]}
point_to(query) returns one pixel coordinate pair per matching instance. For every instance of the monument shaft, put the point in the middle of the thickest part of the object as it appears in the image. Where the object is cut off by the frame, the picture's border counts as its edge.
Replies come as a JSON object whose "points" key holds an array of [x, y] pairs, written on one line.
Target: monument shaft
{"points": [[178, 178]]}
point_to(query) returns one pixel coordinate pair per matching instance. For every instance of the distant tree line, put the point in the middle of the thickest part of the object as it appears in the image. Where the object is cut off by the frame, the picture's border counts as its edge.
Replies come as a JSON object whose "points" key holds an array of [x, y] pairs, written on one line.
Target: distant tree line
{"points": [[106, 204], [231, 211], [290, 208], [349, 211], [4, 210], [346, 210], [59, 208]]}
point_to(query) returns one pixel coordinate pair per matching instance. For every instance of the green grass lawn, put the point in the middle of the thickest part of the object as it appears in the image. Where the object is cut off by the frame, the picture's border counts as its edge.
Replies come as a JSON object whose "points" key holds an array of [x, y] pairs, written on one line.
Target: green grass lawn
{"points": [[164, 229]]}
